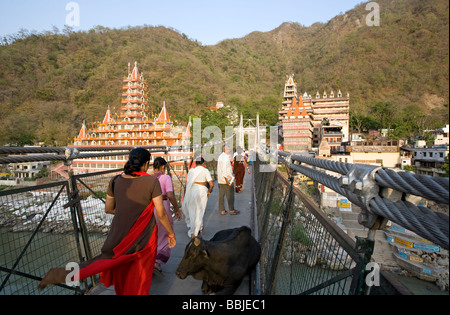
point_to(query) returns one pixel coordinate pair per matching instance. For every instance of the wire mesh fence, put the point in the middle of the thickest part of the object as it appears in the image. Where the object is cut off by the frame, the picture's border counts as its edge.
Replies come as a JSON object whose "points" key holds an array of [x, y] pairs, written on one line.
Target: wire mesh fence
{"points": [[36, 233], [303, 252], [51, 225], [95, 223]]}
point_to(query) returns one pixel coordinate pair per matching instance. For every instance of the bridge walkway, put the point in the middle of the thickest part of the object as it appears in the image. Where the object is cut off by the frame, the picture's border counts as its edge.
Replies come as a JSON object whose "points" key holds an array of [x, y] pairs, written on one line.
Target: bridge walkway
{"points": [[167, 282]]}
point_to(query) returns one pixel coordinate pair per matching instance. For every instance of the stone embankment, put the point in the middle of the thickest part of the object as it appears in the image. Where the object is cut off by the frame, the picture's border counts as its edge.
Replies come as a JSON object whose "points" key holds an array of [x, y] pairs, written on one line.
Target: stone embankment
{"points": [[383, 251], [28, 209]]}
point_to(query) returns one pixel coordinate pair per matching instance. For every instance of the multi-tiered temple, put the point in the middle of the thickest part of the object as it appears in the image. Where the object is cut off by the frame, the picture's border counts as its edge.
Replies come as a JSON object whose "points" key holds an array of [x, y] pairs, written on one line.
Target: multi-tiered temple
{"points": [[134, 125], [298, 113]]}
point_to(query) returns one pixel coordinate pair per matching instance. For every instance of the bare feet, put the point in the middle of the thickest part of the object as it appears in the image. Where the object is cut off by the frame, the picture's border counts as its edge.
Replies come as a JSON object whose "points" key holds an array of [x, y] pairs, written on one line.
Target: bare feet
{"points": [[54, 276]]}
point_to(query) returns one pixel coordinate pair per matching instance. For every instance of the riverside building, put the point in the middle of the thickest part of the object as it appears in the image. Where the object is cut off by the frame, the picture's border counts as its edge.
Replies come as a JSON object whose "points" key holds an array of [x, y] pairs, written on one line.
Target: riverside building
{"points": [[133, 126], [334, 108]]}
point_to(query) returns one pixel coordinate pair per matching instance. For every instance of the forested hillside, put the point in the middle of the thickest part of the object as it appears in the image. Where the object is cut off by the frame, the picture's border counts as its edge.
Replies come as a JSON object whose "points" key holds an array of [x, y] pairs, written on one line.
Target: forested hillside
{"points": [[51, 82]]}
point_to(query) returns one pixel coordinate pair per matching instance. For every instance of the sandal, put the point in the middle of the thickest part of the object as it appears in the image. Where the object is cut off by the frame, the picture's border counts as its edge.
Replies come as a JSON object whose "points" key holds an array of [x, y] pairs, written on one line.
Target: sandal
{"points": [[223, 212], [234, 212], [157, 268]]}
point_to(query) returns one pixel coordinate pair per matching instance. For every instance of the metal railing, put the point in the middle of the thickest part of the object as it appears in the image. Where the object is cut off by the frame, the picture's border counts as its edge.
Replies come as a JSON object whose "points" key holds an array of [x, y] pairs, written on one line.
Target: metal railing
{"points": [[297, 236], [382, 194], [48, 226], [303, 251], [37, 232]]}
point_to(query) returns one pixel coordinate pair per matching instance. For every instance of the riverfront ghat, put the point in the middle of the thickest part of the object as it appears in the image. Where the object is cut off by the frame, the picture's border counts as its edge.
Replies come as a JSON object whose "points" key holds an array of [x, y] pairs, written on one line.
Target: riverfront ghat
{"points": [[167, 283]]}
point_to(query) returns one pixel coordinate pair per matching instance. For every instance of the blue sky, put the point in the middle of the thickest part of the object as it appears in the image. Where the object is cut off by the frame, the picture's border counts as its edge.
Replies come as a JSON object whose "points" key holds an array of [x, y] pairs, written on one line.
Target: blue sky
{"points": [[208, 21]]}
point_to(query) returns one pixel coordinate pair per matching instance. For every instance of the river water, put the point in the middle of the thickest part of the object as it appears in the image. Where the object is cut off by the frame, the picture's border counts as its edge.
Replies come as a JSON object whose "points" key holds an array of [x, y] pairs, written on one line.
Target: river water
{"points": [[44, 252], [297, 278]]}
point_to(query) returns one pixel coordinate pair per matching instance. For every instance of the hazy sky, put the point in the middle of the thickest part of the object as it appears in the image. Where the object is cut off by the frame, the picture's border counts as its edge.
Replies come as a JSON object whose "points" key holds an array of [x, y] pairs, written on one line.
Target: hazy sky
{"points": [[206, 21]]}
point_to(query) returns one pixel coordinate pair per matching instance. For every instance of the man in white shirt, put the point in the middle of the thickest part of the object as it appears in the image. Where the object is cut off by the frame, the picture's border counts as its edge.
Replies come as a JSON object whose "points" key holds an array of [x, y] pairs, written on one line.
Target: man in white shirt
{"points": [[225, 171]]}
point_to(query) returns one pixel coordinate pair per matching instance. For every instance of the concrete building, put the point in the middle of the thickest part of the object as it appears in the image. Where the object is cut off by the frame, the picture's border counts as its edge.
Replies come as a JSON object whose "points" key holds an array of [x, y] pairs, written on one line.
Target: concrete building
{"points": [[381, 152], [334, 108], [428, 161], [297, 128], [28, 169], [442, 137]]}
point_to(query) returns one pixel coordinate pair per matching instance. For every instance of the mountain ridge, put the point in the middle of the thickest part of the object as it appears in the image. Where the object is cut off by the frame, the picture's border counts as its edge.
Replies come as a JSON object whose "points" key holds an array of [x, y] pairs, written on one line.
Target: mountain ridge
{"points": [[51, 82]]}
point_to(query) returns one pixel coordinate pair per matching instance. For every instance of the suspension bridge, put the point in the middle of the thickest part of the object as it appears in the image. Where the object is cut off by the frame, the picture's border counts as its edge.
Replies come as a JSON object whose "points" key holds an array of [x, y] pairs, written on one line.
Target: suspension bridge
{"points": [[305, 250]]}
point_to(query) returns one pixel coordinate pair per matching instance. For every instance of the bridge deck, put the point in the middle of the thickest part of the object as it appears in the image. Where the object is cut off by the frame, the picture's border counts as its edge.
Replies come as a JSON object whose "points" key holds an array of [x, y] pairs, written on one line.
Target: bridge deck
{"points": [[167, 283]]}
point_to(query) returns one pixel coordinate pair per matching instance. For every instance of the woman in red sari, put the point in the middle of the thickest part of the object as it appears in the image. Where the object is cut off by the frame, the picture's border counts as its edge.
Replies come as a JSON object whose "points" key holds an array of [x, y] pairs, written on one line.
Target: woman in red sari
{"points": [[239, 166], [128, 254]]}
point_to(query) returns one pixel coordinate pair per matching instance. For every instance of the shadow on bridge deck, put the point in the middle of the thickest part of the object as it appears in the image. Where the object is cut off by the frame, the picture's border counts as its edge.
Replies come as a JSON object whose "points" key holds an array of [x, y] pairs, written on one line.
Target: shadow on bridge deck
{"points": [[167, 283]]}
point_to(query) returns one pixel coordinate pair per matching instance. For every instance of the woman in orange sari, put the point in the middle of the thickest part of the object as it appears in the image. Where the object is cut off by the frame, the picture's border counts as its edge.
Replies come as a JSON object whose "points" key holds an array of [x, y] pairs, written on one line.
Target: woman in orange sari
{"points": [[129, 252]]}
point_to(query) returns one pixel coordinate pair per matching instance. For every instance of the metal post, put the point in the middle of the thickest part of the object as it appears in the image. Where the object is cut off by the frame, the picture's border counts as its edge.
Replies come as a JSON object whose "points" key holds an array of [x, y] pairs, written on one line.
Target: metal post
{"points": [[266, 212], [286, 220], [365, 247], [74, 201], [76, 229]]}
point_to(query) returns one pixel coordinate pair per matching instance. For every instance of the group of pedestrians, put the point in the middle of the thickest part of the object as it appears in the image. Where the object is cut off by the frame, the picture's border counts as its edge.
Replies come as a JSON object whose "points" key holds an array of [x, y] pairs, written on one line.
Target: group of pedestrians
{"points": [[141, 235], [199, 185]]}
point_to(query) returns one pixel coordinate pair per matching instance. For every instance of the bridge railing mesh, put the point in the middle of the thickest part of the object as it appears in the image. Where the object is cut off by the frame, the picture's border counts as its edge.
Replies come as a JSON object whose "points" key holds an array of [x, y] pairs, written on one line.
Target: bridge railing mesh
{"points": [[48, 226], [94, 223], [303, 251], [37, 233]]}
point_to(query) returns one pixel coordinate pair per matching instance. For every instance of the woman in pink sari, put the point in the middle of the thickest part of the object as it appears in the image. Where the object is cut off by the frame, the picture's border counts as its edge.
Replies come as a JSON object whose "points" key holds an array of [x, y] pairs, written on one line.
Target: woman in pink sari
{"points": [[163, 251]]}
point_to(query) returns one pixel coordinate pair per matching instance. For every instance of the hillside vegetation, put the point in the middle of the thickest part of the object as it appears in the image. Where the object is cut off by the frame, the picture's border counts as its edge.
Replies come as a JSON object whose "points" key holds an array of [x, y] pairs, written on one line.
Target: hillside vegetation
{"points": [[51, 82]]}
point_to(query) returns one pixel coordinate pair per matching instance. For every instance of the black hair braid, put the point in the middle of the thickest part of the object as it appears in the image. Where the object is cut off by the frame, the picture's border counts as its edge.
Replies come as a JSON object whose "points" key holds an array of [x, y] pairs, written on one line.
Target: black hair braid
{"points": [[138, 157]]}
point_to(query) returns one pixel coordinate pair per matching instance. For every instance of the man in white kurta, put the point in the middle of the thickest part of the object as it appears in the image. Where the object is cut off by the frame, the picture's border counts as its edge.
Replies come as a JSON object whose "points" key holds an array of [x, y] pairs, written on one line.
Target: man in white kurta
{"points": [[196, 198], [225, 171]]}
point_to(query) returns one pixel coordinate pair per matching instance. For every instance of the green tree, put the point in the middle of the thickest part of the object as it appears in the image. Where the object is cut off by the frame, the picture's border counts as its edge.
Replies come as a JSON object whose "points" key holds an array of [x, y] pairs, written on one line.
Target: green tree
{"points": [[199, 98], [415, 119], [410, 168], [384, 113], [18, 130], [217, 118], [445, 167]]}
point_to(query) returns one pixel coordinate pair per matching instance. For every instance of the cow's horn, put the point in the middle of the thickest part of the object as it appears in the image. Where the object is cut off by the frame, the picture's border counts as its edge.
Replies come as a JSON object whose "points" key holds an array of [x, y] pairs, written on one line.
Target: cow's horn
{"points": [[197, 241]]}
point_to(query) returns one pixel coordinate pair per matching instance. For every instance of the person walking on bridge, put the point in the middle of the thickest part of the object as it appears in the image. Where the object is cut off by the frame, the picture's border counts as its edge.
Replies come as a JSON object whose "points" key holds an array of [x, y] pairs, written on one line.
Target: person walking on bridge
{"points": [[239, 166], [196, 197], [129, 252], [163, 252], [226, 182]]}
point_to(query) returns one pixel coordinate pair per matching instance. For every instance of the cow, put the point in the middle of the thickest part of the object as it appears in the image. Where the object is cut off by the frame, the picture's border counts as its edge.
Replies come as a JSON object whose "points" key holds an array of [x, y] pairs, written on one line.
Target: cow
{"points": [[221, 262]]}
